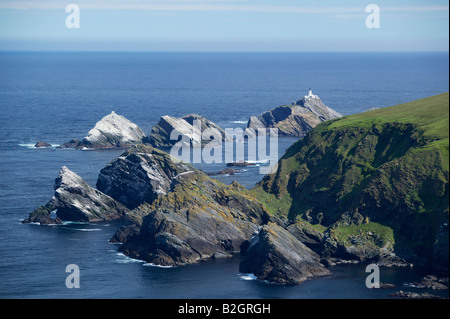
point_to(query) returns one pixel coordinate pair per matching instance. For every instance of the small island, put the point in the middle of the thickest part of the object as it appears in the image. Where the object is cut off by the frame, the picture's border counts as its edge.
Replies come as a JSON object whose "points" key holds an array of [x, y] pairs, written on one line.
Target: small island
{"points": [[297, 119]]}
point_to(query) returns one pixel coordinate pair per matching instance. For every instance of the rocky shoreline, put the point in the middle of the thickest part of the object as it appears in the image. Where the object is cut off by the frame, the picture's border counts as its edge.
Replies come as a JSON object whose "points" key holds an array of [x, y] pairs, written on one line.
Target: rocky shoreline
{"points": [[293, 226]]}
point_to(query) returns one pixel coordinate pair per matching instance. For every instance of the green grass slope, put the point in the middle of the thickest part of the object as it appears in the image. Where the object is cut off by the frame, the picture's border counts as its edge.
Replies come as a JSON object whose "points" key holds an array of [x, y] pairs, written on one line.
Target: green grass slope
{"points": [[387, 169]]}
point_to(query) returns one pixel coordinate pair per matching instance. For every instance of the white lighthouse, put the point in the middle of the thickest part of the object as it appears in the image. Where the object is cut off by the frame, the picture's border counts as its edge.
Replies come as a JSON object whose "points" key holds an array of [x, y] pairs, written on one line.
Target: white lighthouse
{"points": [[310, 95]]}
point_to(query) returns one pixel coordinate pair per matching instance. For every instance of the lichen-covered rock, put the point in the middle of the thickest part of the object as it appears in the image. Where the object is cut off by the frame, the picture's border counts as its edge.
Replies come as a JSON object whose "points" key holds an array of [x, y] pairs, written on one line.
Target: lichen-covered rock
{"points": [[275, 255], [42, 215], [74, 200], [140, 175], [200, 218]]}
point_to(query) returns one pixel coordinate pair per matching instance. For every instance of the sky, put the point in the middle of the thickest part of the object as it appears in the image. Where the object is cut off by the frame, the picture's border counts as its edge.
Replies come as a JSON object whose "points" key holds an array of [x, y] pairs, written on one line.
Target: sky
{"points": [[224, 25]]}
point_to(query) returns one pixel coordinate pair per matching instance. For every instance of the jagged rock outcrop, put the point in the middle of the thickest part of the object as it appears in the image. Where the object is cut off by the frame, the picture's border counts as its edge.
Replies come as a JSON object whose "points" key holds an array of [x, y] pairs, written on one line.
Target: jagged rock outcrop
{"points": [[184, 126], [74, 200], [112, 131], [200, 218], [296, 119], [140, 175], [274, 254]]}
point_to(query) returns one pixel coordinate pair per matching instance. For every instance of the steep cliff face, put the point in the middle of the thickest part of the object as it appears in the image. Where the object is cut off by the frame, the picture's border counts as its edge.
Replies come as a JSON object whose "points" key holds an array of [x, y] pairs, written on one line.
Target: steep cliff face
{"points": [[200, 218], [140, 174], [376, 184], [276, 255], [294, 120], [74, 200]]}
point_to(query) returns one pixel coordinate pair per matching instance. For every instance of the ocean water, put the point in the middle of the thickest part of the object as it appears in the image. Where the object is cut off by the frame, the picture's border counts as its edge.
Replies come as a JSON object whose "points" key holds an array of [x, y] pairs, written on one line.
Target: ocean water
{"points": [[55, 97]]}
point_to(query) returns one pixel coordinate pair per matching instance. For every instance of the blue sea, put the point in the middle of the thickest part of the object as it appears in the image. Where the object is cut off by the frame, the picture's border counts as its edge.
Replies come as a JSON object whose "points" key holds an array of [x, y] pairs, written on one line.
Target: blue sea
{"points": [[55, 97]]}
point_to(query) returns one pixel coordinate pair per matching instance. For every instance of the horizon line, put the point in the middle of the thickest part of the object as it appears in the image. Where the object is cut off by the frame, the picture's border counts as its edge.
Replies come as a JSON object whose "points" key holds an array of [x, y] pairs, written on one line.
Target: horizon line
{"points": [[217, 52], [213, 51]]}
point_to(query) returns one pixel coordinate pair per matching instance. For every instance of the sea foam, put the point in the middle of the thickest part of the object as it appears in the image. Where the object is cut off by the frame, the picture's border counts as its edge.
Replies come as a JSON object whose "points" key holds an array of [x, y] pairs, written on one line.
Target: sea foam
{"points": [[247, 276]]}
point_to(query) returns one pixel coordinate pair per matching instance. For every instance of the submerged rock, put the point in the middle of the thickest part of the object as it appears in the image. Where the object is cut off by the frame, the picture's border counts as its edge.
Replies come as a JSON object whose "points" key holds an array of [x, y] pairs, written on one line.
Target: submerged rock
{"points": [[73, 143], [74, 200], [42, 144], [112, 131], [296, 119], [276, 255], [225, 171], [160, 136], [240, 164], [432, 282], [413, 295]]}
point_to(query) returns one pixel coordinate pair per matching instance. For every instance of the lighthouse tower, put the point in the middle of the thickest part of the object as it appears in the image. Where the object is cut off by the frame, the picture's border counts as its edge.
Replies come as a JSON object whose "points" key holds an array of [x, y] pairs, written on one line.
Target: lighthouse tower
{"points": [[310, 95]]}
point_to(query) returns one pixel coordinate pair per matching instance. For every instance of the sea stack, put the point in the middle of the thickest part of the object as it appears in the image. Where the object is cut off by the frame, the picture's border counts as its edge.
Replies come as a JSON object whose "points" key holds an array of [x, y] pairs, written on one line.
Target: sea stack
{"points": [[112, 131], [186, 127], [297, 119], [74, 200]]}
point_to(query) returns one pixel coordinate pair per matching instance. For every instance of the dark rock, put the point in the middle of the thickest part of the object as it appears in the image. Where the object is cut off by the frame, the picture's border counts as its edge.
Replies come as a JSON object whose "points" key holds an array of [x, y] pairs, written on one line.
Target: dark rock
{"points": [[42, 215], [198, 219], [140, 175], [386, 285], [412, 295], [240, 164], [74, 143], [306, 234], [431, 282], [274, 254], [123, 232], [74, 200], [42, 144], [226, 171]]}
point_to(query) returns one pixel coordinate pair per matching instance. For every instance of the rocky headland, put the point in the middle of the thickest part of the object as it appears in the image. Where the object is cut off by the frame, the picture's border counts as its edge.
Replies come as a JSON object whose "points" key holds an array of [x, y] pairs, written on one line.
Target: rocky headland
{"points": [[370, 187], [296, 119]]}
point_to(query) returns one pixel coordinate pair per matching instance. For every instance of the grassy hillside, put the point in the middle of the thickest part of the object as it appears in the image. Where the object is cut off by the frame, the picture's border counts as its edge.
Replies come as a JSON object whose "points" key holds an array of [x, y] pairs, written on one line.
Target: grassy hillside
{"points": [[387, 168]]}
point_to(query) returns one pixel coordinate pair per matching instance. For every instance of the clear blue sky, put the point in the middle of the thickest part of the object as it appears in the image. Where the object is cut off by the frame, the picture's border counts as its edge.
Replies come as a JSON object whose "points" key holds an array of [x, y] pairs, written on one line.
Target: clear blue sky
{"points": [[224, 25]]}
